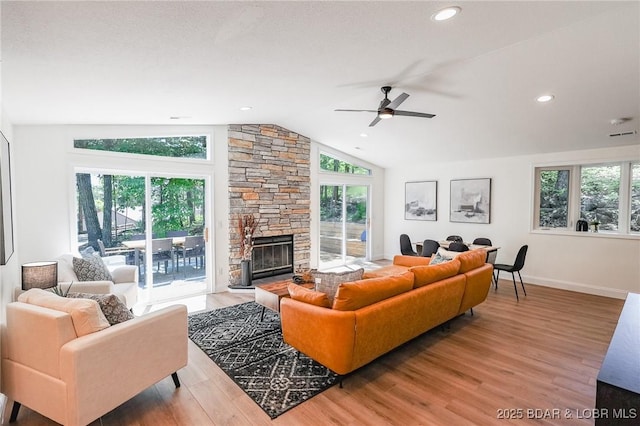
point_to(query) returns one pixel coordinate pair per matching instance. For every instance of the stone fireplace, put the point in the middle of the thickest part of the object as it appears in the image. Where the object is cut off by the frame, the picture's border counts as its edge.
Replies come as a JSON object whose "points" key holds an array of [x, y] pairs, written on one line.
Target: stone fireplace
{"points": [[272, 256], [269, 177]]}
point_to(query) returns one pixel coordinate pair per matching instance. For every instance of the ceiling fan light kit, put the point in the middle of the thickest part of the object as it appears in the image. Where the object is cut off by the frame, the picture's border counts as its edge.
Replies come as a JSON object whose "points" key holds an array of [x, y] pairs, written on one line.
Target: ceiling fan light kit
{"points": [[387, 108]]}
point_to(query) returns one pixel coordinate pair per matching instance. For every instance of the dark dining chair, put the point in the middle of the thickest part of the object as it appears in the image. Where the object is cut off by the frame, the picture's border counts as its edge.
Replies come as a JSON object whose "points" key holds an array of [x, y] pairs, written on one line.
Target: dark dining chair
{"points": [[405, 246], [429, 247], [516, 267], [456, 238], [482, 242], [458, 246]]}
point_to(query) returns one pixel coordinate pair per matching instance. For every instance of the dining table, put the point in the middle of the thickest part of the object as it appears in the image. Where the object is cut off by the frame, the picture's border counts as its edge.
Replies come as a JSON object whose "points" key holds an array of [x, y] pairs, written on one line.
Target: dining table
{"points": [[139, 246], [492, 251]]}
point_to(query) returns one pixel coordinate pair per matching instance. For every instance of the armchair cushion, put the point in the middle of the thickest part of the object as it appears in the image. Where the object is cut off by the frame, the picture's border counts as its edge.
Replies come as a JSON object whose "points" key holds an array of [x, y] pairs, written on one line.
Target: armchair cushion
{"points": [[114, 310], [85, 314], [91, 268]]}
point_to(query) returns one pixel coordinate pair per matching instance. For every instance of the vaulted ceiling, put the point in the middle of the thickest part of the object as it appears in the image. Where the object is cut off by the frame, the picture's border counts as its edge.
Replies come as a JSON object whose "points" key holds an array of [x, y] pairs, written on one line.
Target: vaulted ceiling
{"points": [[294, 63]]}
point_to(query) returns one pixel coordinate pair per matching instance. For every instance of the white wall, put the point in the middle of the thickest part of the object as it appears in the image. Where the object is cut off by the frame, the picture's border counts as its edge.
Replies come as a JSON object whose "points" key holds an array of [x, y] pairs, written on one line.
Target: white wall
{"points": [[596, 264]]}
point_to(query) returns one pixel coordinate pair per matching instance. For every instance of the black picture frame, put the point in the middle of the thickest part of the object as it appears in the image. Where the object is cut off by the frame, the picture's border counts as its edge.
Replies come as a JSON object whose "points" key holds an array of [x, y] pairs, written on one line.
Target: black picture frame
{"points": [[6, 213], [470, 200], [421, 200]]}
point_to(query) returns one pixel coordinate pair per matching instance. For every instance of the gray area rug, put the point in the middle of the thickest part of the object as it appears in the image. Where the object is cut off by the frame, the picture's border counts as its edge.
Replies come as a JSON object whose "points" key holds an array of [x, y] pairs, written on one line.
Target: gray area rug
{"points": [[253, 354]]}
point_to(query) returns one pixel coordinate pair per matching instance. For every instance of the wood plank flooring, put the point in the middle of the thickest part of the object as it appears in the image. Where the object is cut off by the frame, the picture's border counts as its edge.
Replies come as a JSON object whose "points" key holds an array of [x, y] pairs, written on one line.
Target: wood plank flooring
{"points": [[542, 353]]}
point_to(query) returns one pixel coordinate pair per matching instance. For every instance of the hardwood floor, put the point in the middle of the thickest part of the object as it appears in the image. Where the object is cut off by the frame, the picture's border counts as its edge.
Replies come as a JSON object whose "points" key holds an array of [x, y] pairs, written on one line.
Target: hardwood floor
{"points": [[542, 353]]}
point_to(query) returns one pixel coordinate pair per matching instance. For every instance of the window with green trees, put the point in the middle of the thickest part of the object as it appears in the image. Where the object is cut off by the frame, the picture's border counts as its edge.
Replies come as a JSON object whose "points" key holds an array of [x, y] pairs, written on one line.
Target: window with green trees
{"points": [[331, 164], [599, 194], [554, 198], [171, 146]]}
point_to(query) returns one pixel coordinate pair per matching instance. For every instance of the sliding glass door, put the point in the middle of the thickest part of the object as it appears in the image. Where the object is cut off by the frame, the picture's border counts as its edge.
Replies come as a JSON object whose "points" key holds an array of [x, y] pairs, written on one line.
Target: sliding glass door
{"points": [[166, 241], [343, 224]]}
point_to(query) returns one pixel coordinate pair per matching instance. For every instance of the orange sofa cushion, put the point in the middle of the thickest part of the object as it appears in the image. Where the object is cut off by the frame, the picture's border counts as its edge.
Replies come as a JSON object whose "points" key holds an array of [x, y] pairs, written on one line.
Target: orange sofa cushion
{"points": [[307, 295], [472, 259], [357, 294], [431, 273], [409, 261]]}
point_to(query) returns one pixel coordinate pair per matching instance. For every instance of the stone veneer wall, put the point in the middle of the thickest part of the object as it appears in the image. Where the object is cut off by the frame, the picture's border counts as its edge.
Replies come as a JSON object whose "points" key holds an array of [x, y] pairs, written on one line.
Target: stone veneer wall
{"points": [[269, 177]]}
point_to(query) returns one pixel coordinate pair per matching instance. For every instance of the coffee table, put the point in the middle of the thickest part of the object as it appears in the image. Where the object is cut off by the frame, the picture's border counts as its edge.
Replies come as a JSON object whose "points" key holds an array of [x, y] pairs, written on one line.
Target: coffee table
{"points": [[269, 295]]}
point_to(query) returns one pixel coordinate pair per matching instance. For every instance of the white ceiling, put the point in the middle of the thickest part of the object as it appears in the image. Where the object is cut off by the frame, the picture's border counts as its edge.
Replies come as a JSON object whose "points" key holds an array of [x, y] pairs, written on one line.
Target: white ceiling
{"points": [[295, 62]]}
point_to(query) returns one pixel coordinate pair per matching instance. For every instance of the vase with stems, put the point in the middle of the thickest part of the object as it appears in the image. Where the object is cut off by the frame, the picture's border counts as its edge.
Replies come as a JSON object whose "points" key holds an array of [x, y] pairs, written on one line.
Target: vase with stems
{"points": [[247, 225]]}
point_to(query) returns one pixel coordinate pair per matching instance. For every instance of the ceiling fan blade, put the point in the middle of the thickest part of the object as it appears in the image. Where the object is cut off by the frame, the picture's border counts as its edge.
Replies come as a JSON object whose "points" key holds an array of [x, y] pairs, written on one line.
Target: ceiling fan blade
{"points": [[413, 114], [397, 101], [355, 110], [375, 121]]}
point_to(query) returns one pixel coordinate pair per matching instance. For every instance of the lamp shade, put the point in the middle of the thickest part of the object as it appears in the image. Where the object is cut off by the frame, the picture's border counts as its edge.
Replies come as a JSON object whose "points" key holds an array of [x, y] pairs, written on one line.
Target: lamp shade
{"points": [[39, 275]]}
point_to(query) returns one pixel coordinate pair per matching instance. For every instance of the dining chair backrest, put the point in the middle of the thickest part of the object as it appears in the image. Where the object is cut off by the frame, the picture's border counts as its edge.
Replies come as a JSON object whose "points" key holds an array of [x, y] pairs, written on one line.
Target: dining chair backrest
{"points": [[429, 247], [405, 246], [456, 238], [193, 242], [519, 262], [481, 241], [457, 246], [161, 245]]}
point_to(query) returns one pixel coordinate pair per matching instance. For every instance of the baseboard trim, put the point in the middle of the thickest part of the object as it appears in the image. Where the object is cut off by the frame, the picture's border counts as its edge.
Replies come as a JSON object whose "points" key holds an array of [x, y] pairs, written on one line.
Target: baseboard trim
{"points": [[577, 287]]}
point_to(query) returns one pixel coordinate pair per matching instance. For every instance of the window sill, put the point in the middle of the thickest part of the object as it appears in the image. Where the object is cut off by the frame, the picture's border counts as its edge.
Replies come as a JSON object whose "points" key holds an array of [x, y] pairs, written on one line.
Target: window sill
{"points": [[589, 234]]}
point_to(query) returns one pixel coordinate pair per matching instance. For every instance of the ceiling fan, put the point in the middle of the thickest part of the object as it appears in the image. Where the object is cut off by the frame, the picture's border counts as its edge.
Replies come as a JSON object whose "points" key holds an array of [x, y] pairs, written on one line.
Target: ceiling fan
{"points": [[387, 108]]}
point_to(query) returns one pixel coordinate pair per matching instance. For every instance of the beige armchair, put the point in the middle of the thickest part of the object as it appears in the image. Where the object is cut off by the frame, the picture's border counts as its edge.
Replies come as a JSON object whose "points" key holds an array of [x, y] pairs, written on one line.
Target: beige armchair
{"points": [[124, 284], [75, 380]]}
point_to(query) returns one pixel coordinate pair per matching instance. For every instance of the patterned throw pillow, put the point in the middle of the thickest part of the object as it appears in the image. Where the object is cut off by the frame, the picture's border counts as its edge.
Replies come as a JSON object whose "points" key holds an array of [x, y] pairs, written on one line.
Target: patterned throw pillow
{"points": [[443, 255], [329, 281], [91, 268], [112, 307]]}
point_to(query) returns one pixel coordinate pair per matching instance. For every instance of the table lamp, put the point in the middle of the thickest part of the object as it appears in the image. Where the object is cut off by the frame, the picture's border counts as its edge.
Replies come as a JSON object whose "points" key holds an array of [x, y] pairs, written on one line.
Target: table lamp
{"points": [[39, 275]]}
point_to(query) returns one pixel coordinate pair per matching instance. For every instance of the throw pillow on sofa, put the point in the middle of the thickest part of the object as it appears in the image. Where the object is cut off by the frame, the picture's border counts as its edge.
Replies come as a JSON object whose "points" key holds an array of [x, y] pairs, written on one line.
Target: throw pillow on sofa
{"points": [[85, 314], [91, 268], [329, 281], [309, 296], [112, 307], [443, 255]]}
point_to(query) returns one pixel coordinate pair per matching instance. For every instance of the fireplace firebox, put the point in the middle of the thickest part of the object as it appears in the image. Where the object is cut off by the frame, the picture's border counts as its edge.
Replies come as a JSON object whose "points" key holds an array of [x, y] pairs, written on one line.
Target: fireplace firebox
{"points": [[272, 256]]}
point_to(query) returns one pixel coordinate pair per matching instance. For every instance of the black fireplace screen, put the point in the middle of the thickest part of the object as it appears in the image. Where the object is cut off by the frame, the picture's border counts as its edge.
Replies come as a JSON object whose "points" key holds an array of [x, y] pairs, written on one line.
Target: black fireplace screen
{"points": [[272, 256]]}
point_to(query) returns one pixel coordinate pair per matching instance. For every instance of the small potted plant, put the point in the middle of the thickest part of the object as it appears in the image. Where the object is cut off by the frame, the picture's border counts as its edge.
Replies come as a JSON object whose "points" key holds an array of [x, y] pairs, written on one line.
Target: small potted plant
{"points": [[247, 225]]}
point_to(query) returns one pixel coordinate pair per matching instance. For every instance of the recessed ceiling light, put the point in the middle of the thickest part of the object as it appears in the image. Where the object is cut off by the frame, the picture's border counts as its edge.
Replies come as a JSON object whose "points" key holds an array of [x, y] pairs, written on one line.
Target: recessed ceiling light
{"points": [[545, 98], [358, 148], [364, 135], [245, 108], [447, 13]]}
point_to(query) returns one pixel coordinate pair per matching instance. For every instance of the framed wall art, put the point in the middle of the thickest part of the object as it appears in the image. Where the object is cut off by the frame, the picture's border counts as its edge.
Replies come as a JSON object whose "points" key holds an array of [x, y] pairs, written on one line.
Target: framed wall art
{"points": [[6, 213], [420, 200], [470, 200]]}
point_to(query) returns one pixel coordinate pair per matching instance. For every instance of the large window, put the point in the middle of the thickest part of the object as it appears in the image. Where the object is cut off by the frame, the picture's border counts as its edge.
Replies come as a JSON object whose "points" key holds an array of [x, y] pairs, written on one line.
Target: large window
{"points": [[174, 146], [554, 198], [605, 195], [331, 164]]}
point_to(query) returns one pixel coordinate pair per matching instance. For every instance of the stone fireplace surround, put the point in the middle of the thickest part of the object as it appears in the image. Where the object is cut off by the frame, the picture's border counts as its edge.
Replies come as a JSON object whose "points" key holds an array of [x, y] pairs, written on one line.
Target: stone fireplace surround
{"points": [[269, 177]]}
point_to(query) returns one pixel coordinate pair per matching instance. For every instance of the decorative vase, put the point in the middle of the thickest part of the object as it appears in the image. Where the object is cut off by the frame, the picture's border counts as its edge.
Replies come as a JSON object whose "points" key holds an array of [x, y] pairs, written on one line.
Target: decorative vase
{"points": [[246, 272]]}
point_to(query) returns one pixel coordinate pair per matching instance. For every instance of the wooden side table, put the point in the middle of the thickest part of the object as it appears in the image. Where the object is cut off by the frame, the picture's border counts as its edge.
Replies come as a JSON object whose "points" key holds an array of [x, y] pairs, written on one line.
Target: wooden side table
{"points": [[269, 295]]}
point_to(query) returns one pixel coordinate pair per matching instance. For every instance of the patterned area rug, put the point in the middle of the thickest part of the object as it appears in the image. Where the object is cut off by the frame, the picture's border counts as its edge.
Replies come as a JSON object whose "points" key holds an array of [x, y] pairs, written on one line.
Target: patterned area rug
{"points": [[253, 354]]}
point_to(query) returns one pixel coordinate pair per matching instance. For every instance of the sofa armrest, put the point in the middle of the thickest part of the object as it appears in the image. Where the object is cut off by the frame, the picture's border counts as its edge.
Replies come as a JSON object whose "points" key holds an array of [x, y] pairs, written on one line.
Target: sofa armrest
{"points": [[104, 369], [326, 335], [95, 287], [125, 274]]}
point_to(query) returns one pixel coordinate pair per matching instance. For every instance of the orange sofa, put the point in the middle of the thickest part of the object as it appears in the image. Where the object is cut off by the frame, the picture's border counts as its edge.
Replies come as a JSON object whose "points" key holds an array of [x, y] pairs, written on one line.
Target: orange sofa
{"points": [[370, 317]]}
